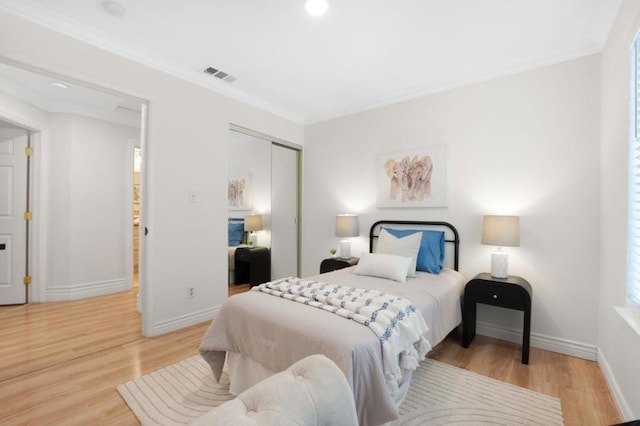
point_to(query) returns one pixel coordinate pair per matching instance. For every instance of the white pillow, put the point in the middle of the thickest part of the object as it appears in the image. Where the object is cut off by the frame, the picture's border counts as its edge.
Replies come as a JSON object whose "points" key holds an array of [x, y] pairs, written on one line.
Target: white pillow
{"points": [[406, 246], [384, 266]]}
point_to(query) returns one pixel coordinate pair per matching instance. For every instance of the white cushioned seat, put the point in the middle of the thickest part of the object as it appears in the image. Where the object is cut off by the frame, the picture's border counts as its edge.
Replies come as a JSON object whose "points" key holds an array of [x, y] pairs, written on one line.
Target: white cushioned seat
{"points": [[313, 391]]}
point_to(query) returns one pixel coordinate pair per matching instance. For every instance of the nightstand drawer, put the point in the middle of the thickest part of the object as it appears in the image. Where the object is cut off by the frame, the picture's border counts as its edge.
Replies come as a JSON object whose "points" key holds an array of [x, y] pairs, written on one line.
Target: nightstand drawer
{"points": [[511, 292], [242, 254], [499, 295]]}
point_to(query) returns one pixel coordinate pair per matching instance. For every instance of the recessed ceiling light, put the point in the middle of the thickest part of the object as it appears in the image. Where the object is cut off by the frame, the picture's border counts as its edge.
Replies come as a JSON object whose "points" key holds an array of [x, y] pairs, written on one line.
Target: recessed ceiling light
{"points": [[113, 8], [59, 85], [316, 7]]}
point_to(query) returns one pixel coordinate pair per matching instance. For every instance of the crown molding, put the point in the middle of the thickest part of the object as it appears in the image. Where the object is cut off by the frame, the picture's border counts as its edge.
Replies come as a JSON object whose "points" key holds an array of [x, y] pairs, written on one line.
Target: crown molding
{"points": [[24, 94], [455, 83], [79, 31]]}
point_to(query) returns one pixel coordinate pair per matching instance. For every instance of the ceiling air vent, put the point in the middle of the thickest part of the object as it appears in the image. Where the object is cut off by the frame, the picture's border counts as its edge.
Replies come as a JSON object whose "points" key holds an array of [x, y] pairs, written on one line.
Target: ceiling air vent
{"points": [[220, 74]]}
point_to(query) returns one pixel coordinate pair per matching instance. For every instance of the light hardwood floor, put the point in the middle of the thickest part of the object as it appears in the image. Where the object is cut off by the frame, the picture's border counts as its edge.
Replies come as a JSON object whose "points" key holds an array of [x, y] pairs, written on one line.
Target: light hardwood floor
{"points": [[61, 362], [238, 288]]}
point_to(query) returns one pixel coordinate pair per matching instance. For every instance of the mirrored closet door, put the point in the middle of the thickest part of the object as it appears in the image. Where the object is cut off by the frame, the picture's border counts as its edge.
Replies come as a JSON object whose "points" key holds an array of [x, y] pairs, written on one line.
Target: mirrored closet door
{"points": [[263, 207]]}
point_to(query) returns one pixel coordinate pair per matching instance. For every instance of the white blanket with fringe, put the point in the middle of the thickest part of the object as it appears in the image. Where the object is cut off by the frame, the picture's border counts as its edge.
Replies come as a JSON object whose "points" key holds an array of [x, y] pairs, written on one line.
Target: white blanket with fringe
{"points": [[394, 320]]}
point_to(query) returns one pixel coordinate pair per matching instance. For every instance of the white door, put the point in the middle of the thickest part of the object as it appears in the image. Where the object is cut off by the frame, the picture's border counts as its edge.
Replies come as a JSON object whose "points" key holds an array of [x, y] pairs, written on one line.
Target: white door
{"points": [[284, 212], [13, 202]]}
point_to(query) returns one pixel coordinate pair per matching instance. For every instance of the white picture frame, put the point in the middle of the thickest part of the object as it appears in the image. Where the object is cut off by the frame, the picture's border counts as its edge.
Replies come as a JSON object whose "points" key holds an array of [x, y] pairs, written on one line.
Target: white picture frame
{"points": [[412, 177], [239, 192]]}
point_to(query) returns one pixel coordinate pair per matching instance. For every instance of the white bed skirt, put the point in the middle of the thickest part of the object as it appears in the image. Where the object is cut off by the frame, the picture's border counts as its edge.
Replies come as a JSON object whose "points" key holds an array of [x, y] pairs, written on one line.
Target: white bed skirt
{"points": [[245, 372]]}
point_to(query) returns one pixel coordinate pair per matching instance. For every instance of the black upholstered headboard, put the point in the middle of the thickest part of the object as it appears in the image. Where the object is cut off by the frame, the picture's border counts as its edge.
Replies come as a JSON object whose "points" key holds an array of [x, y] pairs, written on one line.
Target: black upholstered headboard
{"points": [[452, 239]]}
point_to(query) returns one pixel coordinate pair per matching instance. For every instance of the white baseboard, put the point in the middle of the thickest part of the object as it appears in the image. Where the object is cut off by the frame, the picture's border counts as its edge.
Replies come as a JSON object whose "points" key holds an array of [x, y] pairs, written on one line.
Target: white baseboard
{"points": [[618, 397], [182, 321], [554, 344], [82, 291]]}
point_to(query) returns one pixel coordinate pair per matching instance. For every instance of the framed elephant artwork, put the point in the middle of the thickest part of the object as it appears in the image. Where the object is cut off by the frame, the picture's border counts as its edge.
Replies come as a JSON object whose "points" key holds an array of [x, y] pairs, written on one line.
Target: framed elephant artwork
{"points": [[239, 195], [413, 177]]}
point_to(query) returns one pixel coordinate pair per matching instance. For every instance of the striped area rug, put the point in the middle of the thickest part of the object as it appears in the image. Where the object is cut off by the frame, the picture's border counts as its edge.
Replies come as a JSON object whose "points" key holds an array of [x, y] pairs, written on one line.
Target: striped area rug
{"points": [[439, 394]]}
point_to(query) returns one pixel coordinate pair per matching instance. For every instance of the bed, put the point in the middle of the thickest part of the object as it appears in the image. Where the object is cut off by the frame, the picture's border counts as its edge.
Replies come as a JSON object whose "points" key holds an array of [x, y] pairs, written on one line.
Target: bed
{"points": [[237, 238], [259, 335]]}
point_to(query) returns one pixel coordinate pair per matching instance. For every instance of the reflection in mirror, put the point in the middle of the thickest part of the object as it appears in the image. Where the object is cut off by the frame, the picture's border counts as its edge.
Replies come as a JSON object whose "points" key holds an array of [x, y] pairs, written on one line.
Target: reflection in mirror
{"points": [[264, 183], [249, 193]]}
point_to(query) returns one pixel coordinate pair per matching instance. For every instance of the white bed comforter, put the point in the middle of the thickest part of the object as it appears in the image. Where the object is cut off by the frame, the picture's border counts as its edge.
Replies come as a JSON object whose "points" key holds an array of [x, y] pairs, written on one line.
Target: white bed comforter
{"points": [[276, 333], [394, 320]]}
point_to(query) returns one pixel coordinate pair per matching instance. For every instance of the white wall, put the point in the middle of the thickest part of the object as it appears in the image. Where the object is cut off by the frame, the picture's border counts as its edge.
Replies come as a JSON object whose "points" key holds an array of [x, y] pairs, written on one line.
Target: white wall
{"points": [[86, 194], [526, 144], [187, 150], [619, 345]]}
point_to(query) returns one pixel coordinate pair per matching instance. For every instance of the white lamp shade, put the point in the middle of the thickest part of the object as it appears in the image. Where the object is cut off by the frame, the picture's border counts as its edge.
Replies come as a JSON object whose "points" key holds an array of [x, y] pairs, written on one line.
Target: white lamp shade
{"points": [[347, 225], [253, 222], [501, 231]]}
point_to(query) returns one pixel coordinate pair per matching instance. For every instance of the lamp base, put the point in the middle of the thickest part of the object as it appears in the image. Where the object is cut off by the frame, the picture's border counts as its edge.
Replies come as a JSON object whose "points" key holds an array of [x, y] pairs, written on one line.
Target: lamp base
{"points": [[499, 264], [345, 249]]}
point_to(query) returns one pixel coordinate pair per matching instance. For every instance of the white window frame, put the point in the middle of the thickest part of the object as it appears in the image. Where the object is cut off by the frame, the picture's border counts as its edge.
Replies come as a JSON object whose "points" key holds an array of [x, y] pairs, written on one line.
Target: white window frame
{"points": [[633, 225]]}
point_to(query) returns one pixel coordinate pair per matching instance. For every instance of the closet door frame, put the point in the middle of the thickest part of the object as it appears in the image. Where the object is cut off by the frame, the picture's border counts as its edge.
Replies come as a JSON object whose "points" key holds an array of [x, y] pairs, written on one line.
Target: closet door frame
{"points": [[298, 148]]}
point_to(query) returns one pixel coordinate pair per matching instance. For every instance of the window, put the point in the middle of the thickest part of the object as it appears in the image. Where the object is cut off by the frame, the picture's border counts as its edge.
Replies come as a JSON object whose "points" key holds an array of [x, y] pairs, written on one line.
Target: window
{"points": [[633, 227]]}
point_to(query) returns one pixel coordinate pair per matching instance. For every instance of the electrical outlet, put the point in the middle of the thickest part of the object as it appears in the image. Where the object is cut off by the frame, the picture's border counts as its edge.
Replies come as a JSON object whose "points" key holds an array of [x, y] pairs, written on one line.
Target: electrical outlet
{"points": [[193, 196], [191, 292]]}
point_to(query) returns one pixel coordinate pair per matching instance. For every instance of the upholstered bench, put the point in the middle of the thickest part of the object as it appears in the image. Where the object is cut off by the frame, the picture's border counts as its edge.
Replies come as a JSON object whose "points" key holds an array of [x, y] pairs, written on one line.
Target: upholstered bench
{"points": [[313, 391]]}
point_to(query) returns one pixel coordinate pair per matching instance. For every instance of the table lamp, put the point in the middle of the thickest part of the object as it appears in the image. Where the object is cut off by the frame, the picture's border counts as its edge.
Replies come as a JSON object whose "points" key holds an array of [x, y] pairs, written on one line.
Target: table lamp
{"points": [[253, 222], [500, 231], [346, 227]]}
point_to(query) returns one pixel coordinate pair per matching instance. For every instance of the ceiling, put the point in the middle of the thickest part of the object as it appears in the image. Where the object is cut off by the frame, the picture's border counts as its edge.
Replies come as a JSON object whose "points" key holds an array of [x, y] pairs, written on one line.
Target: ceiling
{"points": [[361, 54], [37, 89]]}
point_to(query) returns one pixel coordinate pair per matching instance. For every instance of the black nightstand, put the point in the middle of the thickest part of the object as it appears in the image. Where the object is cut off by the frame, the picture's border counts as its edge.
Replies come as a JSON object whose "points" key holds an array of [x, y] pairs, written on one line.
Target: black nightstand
{"points": [[335, 263], [511, 292], [253, 265]]}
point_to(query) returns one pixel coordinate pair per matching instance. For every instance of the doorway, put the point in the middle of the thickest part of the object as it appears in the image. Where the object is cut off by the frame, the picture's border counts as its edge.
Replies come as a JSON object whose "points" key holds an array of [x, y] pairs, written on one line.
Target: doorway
{"points": [[81, 244]]}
